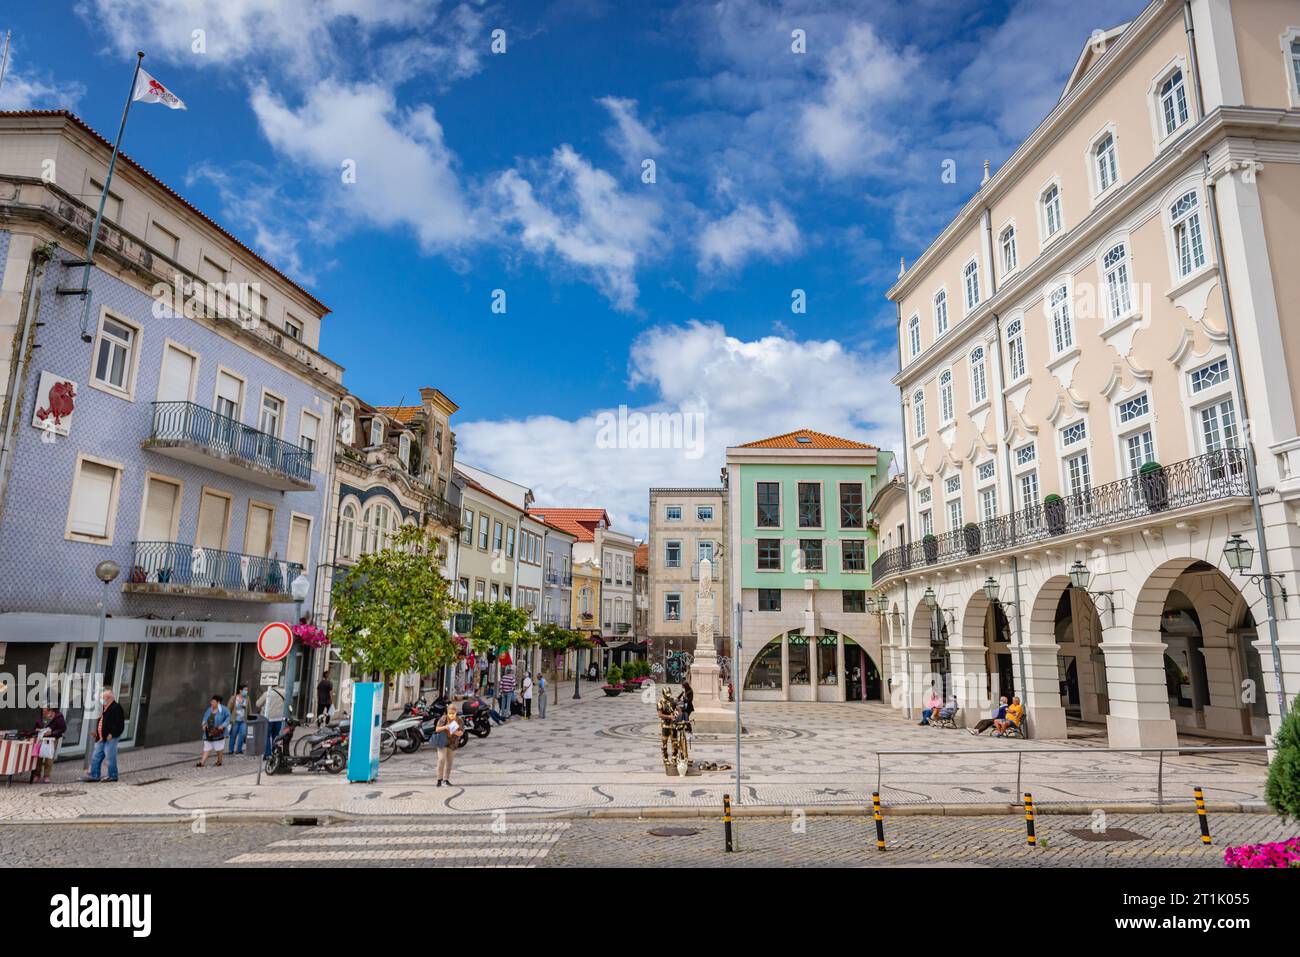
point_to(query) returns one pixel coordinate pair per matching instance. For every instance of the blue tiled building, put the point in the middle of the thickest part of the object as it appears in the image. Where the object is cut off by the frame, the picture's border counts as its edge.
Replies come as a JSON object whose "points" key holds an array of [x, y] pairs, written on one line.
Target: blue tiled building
{"points": [[192, 448]]}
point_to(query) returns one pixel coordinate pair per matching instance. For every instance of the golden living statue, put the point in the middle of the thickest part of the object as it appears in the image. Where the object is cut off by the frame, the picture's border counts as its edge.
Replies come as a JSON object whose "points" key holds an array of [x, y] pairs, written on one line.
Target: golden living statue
{"points": [[673, 727]]}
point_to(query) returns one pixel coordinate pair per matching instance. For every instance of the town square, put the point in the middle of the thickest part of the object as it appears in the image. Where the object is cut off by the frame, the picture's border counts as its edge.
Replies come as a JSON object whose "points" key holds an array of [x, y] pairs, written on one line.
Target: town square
{"points": [[750, 435]]}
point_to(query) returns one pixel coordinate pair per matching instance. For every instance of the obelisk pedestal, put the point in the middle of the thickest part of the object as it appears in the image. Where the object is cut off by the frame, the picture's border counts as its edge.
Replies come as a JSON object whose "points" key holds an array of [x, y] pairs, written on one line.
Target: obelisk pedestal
{"points": [[711, 714]]}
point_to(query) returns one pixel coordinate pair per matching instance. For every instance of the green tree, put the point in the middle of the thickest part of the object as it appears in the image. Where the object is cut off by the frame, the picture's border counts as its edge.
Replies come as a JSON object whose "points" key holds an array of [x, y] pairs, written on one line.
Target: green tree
{"points": [[497, 625], [390, 610], [554, 638], [1282, 789]]}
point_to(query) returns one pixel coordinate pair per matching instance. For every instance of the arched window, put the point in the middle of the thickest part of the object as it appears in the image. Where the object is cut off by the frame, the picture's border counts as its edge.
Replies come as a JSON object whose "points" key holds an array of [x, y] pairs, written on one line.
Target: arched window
{"points": [[1051, 203], [1119, 294], [347, 531], [979, 390], [918, 413], [1062, 327], [1016, 349], [376, 431], [914, 335], [1173, 102], [945, 396], [941, 312], [1008, 241], [971, 281], [1189, 247], [1107, 168]]}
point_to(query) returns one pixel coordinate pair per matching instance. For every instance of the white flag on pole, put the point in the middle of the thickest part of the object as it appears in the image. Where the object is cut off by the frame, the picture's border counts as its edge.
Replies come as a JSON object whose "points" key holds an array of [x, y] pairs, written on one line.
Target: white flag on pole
{"points": [[149, 90]]}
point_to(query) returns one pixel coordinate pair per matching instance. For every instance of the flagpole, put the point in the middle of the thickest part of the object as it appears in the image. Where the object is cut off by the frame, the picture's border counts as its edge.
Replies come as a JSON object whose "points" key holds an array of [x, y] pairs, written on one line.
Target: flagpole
{"points": [[103, 198], [4, 61]]}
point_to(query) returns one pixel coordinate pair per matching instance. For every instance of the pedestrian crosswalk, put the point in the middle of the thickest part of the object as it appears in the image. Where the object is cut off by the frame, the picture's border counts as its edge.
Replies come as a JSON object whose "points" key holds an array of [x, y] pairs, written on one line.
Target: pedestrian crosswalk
{"points": [[486, 843]]}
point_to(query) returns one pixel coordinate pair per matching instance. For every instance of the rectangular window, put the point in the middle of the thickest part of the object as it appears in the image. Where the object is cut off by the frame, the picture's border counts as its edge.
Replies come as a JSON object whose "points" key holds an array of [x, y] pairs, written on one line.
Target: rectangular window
{"points": [[953, 484], [164, 240], [984, 471], [1008, 249], [769, 599], [479, 587], [672, 606], [308, 435], [1211, 375], [1051, 211], [1074, 432], [853, 555], [467, 526], [769, 505], [176, 380], [293, 328], [112, 203], [1029, 490], [510, 542], [954, 515], [673, 513], [162, 501], [810, 505], [988, 504], [1140, 449], [923, 495], [483, 521], [115, 355], [704, 513], [1078, 480], [258, 526], [272, 414], [852, 514], [1219, 426], [299, 540], [971, 283], [673, 554], [811, 549], [769, 554], [854, 601], [498, 540], [495, 592], [703, 551], [1026, 454], [1134, 408], [927, 522]]}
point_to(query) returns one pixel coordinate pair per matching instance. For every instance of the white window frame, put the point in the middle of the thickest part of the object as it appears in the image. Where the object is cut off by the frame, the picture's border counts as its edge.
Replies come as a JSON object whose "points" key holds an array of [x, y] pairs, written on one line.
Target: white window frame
{"points": [[1012, 263], [1060, 328], [703, 518], [979, 376], [940, 311], [669, 517], [376, 422], [243, 391], [1109, 275], [1045, 235], [288, 537], [284, 412], [966, 275], [1125, 430], [918, 414], [132, 364], [668, 543], [170, 343], [1015, 333], [1096, 174], [176, 511], [1172, 199], [1163, 133], [914, 335], [110, 524], [947, 402], [303, 416], [1291, 64]]}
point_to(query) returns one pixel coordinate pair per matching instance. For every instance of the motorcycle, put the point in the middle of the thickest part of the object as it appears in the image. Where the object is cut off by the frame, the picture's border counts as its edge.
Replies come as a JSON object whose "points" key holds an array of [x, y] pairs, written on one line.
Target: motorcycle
{"points": [[429, 727], [323, 750], [406, 728]]}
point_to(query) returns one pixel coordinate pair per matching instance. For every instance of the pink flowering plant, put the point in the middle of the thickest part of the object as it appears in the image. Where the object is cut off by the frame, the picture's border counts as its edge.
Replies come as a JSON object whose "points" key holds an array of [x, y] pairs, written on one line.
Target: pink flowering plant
{"points": [[1280, 854], [311, 636]]}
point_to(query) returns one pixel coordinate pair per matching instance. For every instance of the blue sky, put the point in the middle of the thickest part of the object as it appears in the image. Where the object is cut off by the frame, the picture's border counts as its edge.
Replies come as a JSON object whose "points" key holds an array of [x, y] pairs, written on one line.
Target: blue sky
{"points": [[522, 171]]}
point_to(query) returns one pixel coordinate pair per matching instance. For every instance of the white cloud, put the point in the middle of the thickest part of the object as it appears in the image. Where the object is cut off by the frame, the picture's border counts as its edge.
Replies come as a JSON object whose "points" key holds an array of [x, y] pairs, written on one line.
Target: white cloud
{"points": [[576, 212], [629, 137], [747, 231], [744, 390], [26, 91], [405, 173]]}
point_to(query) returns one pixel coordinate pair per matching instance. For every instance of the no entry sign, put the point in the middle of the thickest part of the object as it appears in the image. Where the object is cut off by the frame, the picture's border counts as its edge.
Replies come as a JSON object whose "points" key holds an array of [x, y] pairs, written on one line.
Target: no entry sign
{"points": [[275, 641]]}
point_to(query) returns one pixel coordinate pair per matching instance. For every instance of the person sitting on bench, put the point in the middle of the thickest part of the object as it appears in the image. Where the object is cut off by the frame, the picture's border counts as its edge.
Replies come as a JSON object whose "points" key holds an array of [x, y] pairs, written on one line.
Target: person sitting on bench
{"points": [[999, 714], [932, 706], [1015, 714]]}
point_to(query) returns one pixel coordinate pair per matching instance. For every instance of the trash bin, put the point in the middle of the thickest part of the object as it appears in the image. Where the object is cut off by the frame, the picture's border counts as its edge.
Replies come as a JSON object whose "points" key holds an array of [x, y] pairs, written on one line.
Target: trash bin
{"points": [[258, 728]]}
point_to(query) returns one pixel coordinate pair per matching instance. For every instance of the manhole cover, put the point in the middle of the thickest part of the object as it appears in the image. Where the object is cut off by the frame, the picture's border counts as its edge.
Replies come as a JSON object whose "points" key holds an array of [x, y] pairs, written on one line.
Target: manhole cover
{"points": [[673, 831], [1110, 834], [62, 794]]}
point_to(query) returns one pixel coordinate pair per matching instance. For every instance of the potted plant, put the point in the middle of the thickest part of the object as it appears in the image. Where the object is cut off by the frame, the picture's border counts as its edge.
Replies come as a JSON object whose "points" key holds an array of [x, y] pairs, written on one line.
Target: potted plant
{"points": [[1054, 511], [971, 532], [1154, 482], [613, 686], [930, 545]]}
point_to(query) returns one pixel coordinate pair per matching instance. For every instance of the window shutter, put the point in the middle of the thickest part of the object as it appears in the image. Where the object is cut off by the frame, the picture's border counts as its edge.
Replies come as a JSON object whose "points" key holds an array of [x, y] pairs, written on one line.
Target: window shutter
{"points": [[299, 535], [258, 540], [177, 372], [159, 510], [94, 498]]}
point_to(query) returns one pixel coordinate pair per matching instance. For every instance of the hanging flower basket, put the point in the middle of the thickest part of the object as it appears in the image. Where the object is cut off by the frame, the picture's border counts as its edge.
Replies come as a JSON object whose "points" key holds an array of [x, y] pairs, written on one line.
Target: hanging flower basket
{"points": [[312, 636]]}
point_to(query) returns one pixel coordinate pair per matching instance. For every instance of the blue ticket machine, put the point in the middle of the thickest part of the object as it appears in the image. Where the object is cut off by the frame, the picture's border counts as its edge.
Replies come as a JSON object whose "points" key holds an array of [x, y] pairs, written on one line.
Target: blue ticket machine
{"points": [[363, 742]]}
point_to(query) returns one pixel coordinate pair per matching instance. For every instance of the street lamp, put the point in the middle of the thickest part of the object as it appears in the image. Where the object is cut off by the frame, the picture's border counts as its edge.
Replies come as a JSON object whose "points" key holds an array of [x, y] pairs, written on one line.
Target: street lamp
{"points": [[931, 601], [298, 588], [107, 572], [1240, 555], [1081, 577], [992, 591]]}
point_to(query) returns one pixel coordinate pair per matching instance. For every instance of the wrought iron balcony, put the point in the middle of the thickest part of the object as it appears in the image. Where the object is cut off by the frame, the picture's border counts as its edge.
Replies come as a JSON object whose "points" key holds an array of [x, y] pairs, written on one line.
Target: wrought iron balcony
{"points": [[1196, 481], [444, 513], [174, 568], [200, 436], [551, 577]]}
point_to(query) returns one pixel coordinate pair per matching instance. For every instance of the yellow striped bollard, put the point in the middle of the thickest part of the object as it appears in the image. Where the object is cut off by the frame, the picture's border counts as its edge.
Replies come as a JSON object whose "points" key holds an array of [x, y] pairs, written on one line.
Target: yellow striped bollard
{"points": [[726, 819], [1029, 820], [1200, 814], [880, 821]]}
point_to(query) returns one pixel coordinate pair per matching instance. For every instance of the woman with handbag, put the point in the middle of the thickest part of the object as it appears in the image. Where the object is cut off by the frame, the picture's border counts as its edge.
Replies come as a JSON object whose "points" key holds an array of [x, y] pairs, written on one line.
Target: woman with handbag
{"points": [[49, 730], [446, 738], [216, 725]]}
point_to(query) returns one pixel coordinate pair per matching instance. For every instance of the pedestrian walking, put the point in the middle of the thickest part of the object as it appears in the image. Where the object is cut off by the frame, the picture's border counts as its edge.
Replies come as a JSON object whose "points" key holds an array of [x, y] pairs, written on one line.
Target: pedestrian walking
{"points": [[238, 721], [50, 728], [507, 685], [112, 721], [215, 728], [528, 696], [271, 705], [324, 698], [541, 695], [446, 738]]}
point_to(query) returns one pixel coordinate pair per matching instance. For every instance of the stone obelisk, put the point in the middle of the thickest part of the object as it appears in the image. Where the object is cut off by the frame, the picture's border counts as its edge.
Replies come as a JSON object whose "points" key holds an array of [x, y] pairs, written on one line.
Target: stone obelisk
{"points": [[711, 714]]}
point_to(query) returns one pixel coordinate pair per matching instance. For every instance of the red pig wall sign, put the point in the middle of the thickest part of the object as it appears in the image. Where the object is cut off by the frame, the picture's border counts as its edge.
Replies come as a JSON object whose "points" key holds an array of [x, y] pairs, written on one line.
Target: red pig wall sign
{"points": [[56, 398]]}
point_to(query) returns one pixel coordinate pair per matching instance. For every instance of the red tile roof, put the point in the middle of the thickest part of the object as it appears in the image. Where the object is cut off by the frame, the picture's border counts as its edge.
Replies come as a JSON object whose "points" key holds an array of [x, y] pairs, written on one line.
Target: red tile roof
{"points": [[400, 413], [811, 440], [642, 557], [580, 522]]}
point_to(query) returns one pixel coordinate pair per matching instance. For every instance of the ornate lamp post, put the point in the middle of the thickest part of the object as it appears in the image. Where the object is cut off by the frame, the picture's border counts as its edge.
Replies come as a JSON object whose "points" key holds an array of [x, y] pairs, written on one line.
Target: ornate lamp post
{"points": [[298, 588]]}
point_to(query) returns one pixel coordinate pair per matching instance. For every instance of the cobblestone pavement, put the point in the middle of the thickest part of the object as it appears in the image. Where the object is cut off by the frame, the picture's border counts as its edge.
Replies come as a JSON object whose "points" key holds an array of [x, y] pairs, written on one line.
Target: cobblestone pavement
{"points": [[603, 753], [1150, 840]]}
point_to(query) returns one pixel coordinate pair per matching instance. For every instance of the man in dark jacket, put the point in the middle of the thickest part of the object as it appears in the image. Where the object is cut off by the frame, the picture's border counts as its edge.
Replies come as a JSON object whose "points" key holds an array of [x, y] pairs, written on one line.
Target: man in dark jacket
{"points": [[112, 721]]}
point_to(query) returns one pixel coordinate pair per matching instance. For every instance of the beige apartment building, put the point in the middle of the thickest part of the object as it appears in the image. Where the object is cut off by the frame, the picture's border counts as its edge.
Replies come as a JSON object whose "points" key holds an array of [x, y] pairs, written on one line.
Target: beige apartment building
{"points": [[687, 525], [1098, 401]]}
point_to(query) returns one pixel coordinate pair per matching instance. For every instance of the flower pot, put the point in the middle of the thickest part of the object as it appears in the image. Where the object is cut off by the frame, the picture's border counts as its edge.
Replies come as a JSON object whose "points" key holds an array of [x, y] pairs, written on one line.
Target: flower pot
{"points": [[1155, 489], [930, 546], [972, 535], [1054, 512], [612, 691]]}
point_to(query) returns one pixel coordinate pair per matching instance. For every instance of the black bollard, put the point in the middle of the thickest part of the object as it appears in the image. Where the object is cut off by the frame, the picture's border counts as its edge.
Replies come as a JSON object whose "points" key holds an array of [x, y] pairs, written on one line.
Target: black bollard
{"points": [[880, 821], [726, 819], [1029, 819], [1200, 814]]}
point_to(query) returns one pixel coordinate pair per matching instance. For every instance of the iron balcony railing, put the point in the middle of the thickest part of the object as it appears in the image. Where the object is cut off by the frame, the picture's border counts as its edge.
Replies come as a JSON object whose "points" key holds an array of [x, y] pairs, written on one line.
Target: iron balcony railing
{"points": [[552, 578], [444, 512], [1194, 481], [175, 563], [190, 422]]}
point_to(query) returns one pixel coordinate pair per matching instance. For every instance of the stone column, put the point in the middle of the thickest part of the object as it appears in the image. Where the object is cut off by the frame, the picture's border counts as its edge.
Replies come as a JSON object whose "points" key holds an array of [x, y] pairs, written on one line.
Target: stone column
{"points": [[841, 677], [1224, 711], [785, 666], [1039, 687], [969, 659], [1289, 648], [1135, 683]]}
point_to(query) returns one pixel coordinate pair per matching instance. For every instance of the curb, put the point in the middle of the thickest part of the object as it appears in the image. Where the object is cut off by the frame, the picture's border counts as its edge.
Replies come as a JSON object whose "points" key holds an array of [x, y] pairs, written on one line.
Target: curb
{"points": [[659, 813]]}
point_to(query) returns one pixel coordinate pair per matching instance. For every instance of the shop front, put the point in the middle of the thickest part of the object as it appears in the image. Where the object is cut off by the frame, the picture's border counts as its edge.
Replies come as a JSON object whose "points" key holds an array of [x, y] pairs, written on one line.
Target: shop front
{"points": [[161, 672]]}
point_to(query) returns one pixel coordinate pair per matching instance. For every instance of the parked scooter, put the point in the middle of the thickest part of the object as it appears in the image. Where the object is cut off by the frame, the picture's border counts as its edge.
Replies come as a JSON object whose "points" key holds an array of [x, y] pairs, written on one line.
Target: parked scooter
{"points": [[407, 728], [323, 750], [435, 712]]}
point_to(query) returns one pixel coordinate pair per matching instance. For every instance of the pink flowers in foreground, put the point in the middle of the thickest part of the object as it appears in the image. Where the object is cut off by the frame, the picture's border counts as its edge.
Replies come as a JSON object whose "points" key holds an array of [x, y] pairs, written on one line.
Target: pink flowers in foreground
{"points": [[310, 635], [1283, 854]]}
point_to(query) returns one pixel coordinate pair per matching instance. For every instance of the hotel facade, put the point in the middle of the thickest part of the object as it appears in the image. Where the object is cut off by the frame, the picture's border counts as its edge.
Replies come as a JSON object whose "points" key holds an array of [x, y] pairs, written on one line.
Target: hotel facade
{"points": [[1100, 424]]}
